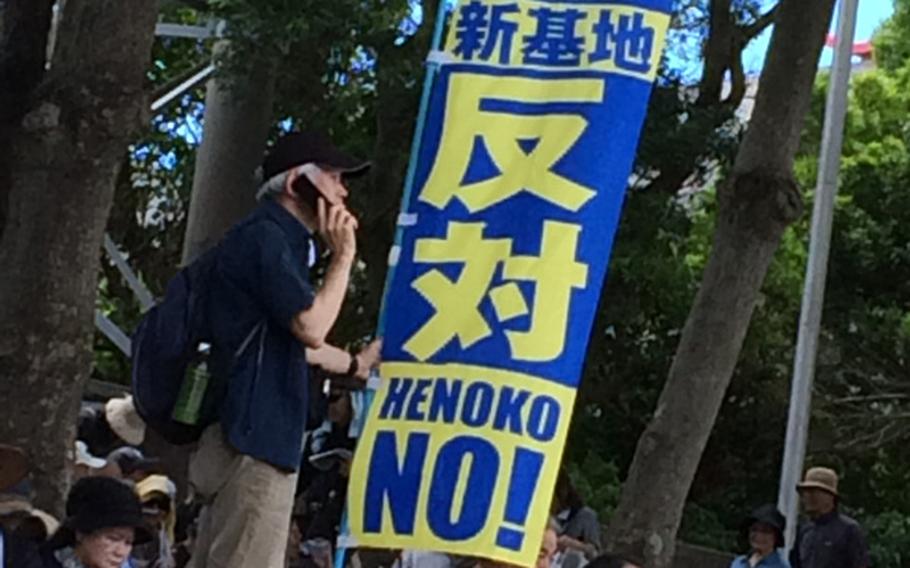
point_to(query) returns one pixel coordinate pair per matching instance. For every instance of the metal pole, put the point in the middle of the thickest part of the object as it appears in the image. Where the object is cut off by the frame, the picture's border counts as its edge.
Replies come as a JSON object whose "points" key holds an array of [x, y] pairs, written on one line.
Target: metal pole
{"points": [[183, 87], [191, 32], [145, 297], [112, 332], [344, 540], [816, 269]]}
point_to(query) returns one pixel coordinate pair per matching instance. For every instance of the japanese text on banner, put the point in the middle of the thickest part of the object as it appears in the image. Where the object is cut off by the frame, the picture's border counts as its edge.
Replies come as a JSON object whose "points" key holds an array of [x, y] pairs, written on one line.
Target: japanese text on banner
{"points": [[530, 138], [610, 37]]}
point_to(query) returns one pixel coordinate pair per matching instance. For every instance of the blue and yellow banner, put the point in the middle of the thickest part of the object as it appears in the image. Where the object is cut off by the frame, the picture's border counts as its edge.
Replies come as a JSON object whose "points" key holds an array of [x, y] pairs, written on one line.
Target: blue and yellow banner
{"points": [[530, 137]]}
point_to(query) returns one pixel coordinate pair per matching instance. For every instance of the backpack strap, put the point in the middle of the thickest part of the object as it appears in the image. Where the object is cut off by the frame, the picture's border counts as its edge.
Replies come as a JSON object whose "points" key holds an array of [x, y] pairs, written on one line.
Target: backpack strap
{"points": [[249, 339]]}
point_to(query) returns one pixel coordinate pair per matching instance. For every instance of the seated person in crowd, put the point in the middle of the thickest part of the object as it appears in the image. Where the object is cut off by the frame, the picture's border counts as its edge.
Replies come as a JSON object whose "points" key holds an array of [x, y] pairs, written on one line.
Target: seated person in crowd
{"points": [[15, 552], [157, 494], [103, 522], [579, 527], [106, 429], [89, 465], [133, 464], [548, 548]]}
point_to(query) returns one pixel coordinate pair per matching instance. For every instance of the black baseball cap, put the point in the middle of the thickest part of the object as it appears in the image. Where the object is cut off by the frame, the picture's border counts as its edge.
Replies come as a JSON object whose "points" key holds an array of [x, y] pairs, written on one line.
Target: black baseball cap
{"points": [[309, 147], [132, 460]]}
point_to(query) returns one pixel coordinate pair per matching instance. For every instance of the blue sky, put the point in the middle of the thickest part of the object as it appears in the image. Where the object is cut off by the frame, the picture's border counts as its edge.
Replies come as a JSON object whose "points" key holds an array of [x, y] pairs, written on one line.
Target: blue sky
{"points": [[871, 14]]}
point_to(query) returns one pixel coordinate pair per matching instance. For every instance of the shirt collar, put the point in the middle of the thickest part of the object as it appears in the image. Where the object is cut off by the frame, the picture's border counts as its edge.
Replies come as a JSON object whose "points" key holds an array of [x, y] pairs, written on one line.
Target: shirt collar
{"points": [[292, 227], [826, 518]]}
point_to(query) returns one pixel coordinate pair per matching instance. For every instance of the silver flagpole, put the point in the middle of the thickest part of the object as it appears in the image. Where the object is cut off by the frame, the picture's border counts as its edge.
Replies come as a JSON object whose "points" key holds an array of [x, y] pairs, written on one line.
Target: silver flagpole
{"points": [[816, 269]]}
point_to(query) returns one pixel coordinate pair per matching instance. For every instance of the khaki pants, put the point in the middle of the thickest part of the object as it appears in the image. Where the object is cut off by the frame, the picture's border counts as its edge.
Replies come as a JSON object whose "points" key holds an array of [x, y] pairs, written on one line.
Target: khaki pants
{"points": [[248, 513]]}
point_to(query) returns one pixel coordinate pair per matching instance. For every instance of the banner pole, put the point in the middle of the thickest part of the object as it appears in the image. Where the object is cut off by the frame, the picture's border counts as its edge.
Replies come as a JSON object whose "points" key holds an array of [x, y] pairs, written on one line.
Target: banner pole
{"points": [[433, 65]]}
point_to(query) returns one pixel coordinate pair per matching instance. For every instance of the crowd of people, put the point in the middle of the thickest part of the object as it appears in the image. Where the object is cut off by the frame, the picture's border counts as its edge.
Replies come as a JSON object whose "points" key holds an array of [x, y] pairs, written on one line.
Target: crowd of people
{"points": [[267, 480], [122, 512]]}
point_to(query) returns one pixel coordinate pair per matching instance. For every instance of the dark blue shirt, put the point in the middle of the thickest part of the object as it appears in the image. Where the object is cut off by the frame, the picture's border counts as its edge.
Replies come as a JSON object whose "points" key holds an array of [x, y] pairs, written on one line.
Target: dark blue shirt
{"points": [[830, 541], [262, 283]]}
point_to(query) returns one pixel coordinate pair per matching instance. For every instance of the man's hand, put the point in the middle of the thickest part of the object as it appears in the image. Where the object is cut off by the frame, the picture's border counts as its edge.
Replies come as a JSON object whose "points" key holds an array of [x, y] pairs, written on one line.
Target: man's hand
{"points": [[369, 358], [337, 227], [334, 360]]}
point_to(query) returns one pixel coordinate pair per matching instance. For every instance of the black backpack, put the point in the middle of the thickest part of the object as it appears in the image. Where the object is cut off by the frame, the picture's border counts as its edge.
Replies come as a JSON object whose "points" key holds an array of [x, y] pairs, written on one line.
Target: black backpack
{"points": [[166, 343]]}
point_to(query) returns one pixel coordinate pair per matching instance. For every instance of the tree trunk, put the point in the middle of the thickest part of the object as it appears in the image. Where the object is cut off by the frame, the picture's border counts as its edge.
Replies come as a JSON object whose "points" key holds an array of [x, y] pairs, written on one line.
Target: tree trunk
{"points": [[64, 157], [238, 114], [756, 204]]}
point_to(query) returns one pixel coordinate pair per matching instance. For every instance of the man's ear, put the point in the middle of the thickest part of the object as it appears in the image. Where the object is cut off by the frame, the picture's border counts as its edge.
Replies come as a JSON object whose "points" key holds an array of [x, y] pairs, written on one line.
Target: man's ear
{"points": [[292, 177]]}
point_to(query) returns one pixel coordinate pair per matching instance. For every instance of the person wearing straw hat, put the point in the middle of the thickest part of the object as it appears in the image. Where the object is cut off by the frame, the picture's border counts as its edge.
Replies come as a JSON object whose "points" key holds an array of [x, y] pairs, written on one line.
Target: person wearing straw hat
{"points": [[124, 421], [765, 530], [20, 517], [15, 552], [158, 495], [830, 539], [114, 425], [268, 323]]}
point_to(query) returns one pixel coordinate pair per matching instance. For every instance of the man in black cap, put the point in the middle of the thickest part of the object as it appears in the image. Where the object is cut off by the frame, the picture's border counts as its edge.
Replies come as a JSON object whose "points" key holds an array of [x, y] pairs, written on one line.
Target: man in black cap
{"points": [[269, 322]]}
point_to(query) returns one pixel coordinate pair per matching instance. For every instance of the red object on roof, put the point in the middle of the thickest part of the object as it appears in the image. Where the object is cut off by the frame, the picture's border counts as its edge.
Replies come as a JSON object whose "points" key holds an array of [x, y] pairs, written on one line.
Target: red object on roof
{"points": [[860, 48]]}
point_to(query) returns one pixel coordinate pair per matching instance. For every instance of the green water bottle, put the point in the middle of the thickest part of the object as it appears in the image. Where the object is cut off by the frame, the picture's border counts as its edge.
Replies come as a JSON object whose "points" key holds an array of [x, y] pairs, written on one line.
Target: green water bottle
{"points": [[192, 392]]}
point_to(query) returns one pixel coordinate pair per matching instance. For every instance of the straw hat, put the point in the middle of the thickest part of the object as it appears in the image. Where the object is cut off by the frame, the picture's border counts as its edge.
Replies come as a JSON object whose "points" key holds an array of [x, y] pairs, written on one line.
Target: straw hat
{"points": [[820, 478], [13, 466], [155, 485], [17, 504], [49, 522], [124, 420]]}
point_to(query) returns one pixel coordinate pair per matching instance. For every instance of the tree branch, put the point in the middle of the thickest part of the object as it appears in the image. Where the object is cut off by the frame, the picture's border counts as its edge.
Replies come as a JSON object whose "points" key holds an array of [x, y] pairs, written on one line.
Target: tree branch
{"points": [[737, 81], [870, 398], [755, 29], [717, 53]]}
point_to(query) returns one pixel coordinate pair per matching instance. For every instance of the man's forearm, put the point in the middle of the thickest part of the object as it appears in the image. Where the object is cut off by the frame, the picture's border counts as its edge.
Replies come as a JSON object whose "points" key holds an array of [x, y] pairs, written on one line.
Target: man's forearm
{"points": [[338, 361], [313, 325], [329, 358]]}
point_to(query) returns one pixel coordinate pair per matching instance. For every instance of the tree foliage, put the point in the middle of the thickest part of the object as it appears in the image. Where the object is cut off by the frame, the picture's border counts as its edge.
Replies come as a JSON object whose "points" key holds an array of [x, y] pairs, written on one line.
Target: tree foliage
{"points": [[352, 71], [860, 414]]}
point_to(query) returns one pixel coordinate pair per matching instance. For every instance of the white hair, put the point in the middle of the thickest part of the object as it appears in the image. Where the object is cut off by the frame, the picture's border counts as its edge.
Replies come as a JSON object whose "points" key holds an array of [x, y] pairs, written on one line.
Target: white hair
{"points": [[275, 184]]}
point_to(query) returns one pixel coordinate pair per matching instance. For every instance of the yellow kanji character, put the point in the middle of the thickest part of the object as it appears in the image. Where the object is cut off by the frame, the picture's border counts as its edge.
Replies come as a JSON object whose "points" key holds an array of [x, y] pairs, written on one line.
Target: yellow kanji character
{"points": [[556, 273], [456, 303], [524, 147]]}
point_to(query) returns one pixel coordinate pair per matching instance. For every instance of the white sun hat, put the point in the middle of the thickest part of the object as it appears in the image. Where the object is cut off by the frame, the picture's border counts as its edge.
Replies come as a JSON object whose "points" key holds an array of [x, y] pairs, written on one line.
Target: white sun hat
{"points": [[124, 420], [84, 457]]}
